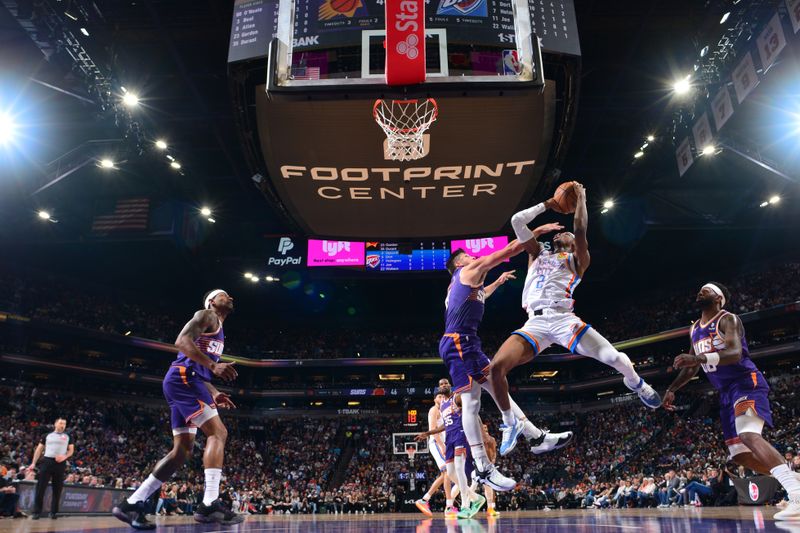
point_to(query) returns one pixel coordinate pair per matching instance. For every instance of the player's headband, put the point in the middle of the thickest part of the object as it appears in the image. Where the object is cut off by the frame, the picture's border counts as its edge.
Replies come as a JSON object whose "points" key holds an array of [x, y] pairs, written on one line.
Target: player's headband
{"points": [[716, 290], [213, 294]]}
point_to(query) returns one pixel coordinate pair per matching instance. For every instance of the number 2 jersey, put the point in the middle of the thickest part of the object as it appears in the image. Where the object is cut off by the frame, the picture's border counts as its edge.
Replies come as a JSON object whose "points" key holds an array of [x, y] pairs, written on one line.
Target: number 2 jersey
{"points": [[708, 338], [550, 282]]}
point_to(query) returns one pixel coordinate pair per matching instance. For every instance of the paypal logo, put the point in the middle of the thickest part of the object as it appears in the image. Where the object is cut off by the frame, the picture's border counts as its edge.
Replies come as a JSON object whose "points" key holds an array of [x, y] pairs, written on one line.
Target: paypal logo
{"points": [[284, 245]]}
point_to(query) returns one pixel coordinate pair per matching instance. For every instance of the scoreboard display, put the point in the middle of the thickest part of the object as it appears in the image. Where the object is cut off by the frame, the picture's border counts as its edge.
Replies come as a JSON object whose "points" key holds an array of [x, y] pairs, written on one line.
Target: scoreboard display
{"points": [[384, 256], [334, 23]]}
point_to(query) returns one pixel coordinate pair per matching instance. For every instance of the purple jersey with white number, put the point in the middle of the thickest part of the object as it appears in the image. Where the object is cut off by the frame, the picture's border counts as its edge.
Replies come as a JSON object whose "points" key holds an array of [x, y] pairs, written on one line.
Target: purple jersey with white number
{"points": [[463, 307], [707, 338], [211, 344]]}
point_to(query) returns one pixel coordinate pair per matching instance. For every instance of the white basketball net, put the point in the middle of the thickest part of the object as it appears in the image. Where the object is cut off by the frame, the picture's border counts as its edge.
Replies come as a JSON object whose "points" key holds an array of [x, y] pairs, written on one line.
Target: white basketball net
{"points": [[411, 451], [405, 122]]}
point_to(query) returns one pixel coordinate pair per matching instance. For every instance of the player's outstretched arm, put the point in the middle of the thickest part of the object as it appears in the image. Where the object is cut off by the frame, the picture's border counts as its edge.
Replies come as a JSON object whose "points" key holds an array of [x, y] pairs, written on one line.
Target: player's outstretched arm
{"points": [[200, 322], [684, 376], [505, 276], [424, 435], [580, 227], [731, 327]]}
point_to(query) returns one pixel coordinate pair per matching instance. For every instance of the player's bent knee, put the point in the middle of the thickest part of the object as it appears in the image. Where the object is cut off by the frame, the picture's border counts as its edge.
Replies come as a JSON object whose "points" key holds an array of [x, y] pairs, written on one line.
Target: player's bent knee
{"points": [[749, 426]]}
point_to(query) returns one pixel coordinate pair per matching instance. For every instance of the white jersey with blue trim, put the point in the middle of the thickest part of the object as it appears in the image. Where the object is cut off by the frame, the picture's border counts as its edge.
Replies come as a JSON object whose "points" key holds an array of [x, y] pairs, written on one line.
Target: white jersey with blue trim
{"points": [[550, 282]]}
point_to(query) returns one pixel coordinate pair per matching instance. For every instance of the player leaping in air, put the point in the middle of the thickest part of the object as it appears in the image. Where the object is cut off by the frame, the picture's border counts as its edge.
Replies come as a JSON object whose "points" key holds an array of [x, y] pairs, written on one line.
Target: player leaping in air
{"points": [[720, 348], [460, 349], [547, 298]]}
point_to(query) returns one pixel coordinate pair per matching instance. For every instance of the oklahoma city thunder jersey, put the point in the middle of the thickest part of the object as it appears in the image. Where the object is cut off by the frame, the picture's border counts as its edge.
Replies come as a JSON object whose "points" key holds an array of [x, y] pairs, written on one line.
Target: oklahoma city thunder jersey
{"points": [[211, 344], [707, 338], [550, 282], [463, 307]]}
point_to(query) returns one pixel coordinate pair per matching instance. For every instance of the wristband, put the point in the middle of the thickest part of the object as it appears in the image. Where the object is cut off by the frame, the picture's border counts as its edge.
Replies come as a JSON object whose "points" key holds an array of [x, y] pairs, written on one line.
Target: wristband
{"points": [[712, 358]]}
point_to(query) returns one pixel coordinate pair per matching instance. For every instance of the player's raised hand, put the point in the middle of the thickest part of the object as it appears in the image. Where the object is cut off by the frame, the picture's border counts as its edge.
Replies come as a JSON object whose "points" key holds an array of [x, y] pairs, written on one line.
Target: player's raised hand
{"points": [[580, 191], [224, 401], [548, 228], [686, 360], [421, 437], [225, 371], [667, 402], [505, 276]]}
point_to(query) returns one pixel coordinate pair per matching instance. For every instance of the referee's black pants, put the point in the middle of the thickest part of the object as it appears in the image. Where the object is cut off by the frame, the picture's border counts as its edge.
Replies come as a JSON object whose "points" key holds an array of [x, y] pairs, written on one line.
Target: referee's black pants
{"points": [[49, 469]]}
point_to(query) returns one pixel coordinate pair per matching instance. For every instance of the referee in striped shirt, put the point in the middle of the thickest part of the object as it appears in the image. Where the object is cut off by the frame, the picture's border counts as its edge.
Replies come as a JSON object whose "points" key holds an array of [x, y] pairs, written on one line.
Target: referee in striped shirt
{"points": [[53, 450]]}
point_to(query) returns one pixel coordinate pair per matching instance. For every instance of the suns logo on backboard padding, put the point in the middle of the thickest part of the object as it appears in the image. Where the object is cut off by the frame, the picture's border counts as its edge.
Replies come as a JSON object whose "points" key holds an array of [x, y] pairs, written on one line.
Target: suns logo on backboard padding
{"points": [[473, 8], [347, 8]]}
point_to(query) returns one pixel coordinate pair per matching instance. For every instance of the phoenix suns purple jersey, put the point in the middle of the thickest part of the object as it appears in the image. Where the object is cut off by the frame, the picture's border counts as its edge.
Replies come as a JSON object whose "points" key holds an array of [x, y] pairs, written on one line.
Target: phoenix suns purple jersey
{"points": [[463, 307], [708, 338], [211, 344]]}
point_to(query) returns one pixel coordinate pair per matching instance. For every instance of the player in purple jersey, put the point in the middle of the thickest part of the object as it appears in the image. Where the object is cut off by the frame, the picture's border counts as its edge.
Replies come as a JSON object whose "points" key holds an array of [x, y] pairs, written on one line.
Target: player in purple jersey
{"points": [[457, 455], [460, 349], [719, 347], [193, 403]]}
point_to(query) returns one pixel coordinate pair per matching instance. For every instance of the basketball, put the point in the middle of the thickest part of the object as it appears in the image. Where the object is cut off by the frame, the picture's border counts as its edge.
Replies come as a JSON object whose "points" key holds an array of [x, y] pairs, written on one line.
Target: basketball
{"points": [[344, 6], [565, 197]]}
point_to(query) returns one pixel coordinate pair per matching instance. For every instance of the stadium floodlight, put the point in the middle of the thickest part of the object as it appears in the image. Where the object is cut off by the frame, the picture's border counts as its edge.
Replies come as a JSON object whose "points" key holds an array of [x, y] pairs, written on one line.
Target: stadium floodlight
{"points": [[130, 100], [8, 128], [604, 211], [608, 204], [175, 165], [107, 163], [638, 154], [725, 17], [44, 215], [682, 86], [651, 138], [248, 275], [709, 149], [161, 144], [254, 279], [212, 220], [205, 211], [764, 204], [774, 200], [85, 32]]}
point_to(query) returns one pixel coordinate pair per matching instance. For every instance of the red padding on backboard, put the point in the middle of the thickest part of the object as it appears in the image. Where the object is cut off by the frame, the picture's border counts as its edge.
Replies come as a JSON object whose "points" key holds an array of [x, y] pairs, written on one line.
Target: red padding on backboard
{"points": [[405, 42]]}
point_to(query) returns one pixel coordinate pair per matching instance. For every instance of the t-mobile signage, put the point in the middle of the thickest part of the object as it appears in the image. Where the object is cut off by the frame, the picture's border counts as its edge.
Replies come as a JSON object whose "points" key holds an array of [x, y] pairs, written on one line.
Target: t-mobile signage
{"points": [[480, 246], [335, 253]]}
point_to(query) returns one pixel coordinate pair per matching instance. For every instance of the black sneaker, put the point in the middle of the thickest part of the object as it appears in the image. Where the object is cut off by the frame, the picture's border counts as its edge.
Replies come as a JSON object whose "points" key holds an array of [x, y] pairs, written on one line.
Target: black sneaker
{"points": [[133, 514], [35, 516], [217, 513], [53, 516]]}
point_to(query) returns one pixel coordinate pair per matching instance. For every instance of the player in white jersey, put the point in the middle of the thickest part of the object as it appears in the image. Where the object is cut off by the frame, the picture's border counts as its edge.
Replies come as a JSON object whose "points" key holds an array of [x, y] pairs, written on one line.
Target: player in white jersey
{"points": [[547, 298], [436, 449]]}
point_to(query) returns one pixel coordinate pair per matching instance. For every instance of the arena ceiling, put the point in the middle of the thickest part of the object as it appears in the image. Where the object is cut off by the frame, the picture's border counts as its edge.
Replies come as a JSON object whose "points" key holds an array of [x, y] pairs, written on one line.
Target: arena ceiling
{"points": [[174, 53]]}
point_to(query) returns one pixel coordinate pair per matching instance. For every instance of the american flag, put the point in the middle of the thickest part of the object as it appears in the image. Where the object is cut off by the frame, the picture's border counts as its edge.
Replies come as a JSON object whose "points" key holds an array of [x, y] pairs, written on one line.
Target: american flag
{"points": [[129, 214], [305, 73]]}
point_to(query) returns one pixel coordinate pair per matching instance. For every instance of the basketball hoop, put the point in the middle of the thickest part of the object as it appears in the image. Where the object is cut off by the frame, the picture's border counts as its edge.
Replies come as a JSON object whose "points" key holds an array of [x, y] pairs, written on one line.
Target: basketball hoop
{"points": [[411, 451], [405, 122]]}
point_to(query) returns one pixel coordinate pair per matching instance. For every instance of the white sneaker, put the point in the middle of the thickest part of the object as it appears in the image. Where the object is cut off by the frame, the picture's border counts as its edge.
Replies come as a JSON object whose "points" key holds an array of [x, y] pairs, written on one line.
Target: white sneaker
{"points": [[493, 478], [510, 436], [791, 511], [550, 441]]}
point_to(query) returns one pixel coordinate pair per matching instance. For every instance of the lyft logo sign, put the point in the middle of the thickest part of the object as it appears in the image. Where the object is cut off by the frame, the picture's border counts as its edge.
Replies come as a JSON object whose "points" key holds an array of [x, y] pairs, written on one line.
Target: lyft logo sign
{"points": [[480, 246], [335, 253], [332, 248]]}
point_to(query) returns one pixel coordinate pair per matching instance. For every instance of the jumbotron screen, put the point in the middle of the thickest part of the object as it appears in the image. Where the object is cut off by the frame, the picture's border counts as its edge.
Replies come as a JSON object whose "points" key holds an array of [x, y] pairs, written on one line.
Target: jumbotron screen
{"points": [[332, 23], [397, 257]]}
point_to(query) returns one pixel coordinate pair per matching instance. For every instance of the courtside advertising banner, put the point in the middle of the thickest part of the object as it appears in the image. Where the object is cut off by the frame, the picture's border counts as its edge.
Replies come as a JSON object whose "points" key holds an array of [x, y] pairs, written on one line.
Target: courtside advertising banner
{"points": [[335, 253], [405, 42]]}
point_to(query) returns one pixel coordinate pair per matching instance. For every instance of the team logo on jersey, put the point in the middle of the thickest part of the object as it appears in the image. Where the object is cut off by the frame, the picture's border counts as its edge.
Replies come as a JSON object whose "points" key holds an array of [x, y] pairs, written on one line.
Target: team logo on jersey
{"points": [[562, 255], [373, 261], [473, 8]]}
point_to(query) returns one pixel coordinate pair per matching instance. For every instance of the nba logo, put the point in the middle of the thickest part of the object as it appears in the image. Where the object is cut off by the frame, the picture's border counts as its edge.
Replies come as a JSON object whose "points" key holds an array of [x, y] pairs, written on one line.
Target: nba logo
{"points": [[752, 488]]}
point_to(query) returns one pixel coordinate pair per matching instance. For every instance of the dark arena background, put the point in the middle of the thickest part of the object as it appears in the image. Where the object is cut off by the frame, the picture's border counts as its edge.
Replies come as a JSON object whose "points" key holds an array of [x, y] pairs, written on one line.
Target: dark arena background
{"points": [[317, 162]]}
